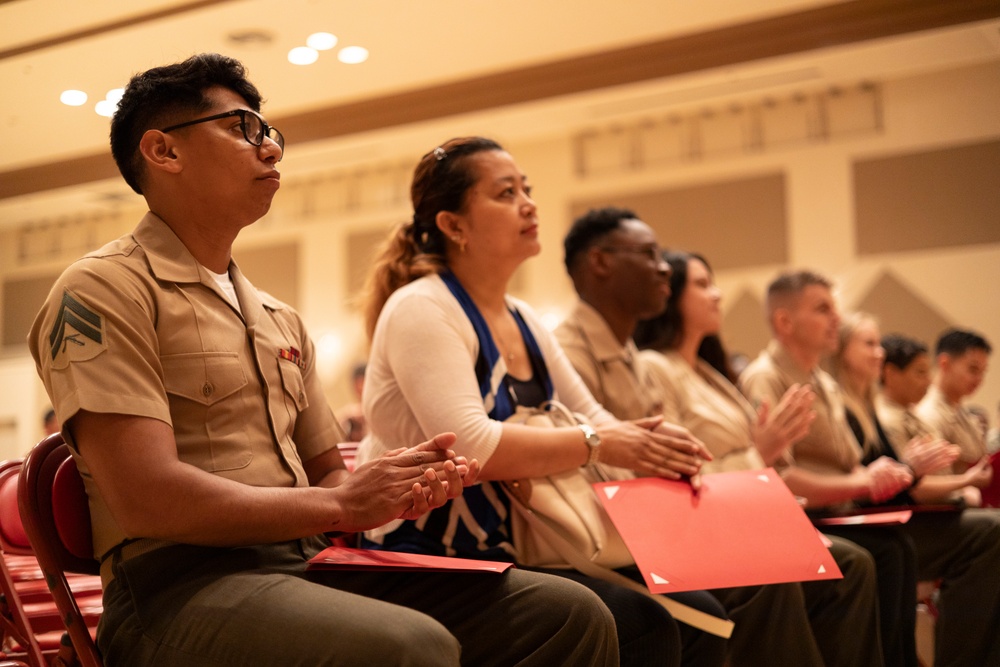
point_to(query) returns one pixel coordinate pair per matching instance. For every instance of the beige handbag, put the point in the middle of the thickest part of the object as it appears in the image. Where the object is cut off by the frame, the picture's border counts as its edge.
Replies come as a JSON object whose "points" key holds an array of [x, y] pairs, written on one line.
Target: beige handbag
{"points": [[565, 502], [559, 523]]}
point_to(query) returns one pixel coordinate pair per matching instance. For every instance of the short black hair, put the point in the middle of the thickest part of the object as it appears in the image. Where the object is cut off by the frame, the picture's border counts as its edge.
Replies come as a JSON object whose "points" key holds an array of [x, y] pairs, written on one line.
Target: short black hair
{"points": [[957, 342], [592, 225], [161, 95], [900, 351]]}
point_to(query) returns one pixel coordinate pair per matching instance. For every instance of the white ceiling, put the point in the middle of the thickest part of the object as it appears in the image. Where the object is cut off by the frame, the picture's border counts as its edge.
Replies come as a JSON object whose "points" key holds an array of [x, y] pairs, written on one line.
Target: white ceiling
{"points": [[47, 46]]}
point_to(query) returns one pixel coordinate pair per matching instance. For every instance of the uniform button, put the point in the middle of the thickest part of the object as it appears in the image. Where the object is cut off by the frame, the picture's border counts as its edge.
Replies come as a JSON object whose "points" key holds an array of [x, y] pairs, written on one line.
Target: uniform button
{"points": [[207, 389], [302, 396]]}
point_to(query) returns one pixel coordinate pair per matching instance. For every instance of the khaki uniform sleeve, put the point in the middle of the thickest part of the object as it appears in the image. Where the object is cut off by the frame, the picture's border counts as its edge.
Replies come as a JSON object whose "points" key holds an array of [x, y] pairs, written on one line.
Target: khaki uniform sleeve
{"points": [[95, 346]]}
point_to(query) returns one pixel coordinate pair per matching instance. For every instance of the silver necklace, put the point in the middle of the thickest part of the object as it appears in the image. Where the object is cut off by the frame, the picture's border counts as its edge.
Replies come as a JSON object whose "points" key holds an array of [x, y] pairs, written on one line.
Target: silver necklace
{"points": [[509, 354]]}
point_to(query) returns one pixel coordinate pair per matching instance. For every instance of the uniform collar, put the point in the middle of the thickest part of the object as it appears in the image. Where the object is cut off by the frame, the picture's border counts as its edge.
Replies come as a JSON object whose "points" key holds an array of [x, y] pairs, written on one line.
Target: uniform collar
{"points": [[171, 261], [784, 361], [602, 340], [936, 397]]}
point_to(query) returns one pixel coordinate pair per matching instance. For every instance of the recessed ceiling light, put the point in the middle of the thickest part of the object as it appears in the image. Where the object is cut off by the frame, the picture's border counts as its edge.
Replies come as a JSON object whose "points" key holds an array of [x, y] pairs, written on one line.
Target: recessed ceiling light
{"points": [[303, 55], [321, 41], [105, 108], [73, 98], [352, 55], [115, 95]]}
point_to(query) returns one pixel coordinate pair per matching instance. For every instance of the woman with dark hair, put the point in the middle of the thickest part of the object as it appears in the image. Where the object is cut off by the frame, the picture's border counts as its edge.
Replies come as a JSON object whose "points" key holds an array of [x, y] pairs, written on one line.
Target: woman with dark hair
{"points": [[451, 349], [691, 361], [684, 354]]}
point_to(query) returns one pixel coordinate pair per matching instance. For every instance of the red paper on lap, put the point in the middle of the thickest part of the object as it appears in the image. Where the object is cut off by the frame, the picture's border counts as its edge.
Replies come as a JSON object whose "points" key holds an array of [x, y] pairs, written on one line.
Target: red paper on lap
{"points": [[345, 558], [742, 528], [893, 517]]}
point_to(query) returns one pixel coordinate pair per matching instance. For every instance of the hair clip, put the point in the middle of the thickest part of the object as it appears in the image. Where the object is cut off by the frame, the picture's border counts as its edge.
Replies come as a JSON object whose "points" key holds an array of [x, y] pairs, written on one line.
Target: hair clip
{"points": [[440, 153]]}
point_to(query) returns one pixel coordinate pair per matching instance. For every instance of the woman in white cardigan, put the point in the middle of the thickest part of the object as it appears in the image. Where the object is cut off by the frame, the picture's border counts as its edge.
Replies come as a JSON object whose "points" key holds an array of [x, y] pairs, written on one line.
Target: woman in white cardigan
{"points": [[452, 351]]}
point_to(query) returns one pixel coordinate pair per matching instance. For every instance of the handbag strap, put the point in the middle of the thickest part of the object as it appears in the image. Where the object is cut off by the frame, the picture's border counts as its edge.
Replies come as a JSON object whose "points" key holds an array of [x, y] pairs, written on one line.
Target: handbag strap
{"points": [[696, 618]]}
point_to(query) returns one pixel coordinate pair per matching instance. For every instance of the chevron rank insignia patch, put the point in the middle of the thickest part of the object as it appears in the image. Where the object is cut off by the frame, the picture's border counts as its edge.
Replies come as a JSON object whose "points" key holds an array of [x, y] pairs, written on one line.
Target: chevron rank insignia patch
{"points": [[78, 332]]}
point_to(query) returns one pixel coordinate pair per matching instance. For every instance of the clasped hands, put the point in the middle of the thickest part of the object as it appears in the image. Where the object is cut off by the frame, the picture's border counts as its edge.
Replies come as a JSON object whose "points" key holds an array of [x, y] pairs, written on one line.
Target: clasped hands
{"points": [[651, 446], [406, 483]]}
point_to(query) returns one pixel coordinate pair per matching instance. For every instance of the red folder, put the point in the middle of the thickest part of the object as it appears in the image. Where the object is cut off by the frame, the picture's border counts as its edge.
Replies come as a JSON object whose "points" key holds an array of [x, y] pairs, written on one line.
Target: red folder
{"points": [[344, 558], [741, 529], [893, 517]]}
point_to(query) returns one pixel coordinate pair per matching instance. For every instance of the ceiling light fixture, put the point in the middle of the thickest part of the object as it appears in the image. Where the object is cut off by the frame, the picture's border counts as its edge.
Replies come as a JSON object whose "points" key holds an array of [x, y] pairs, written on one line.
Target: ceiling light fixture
{"points": [[321, 41], [73, 98], [353, 55], [105, 108], [303, 55], [109, 104]]}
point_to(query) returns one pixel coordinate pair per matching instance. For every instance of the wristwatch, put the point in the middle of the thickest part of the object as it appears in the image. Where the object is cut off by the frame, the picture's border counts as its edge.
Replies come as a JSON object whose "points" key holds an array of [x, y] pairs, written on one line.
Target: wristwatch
{"points": [[593, 442]]}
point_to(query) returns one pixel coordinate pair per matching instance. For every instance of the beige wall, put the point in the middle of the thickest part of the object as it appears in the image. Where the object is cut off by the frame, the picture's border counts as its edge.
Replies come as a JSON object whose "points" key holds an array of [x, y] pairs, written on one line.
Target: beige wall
{"points": [[919, 114]]}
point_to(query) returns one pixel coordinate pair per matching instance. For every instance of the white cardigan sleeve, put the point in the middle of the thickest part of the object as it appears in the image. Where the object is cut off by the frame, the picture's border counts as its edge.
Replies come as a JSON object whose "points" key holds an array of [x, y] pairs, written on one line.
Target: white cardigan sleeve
{"points": [[421, 379]]}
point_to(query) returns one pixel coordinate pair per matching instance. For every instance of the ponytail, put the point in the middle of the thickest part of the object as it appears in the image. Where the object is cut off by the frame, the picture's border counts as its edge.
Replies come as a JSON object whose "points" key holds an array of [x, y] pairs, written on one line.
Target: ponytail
{"points": [[418, 248], [402, 259]]}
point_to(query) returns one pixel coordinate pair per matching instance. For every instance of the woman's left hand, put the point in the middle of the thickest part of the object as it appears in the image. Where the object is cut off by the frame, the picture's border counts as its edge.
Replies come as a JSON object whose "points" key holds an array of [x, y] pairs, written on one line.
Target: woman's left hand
{"points": [[441, 481], [656, 447]]}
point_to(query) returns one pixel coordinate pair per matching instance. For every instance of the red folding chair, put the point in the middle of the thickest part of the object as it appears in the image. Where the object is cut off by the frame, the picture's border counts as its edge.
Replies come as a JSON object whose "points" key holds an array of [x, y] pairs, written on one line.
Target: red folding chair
{"points": [[30, 622], [53, 506], [991, 494]]}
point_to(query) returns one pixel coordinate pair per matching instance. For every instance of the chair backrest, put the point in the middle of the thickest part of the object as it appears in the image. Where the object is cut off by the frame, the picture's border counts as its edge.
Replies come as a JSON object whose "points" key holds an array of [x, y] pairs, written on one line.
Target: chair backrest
{"points": [[16, 628], [13, 539], [56, 516]]}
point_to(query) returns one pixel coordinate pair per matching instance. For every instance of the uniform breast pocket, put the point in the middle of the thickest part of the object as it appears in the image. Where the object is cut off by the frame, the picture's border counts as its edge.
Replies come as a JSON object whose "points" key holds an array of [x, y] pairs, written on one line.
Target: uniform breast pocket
{"points": [[209, 409], [295, 387]]}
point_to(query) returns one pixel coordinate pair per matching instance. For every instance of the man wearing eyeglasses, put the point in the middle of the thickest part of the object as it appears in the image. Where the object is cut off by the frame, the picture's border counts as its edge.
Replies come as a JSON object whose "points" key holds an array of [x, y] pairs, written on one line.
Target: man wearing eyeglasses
{"points": [[195, 415], [622, 277]]}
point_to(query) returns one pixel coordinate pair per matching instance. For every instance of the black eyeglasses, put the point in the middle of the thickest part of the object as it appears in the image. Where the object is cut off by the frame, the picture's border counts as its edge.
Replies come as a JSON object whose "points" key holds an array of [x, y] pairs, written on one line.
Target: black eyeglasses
{"points": [[651, 252], [254, 127]]}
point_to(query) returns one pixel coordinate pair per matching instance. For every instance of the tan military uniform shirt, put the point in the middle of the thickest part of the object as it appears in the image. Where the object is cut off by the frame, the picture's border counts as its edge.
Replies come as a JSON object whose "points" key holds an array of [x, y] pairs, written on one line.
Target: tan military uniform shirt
{"points": [[899, 423], [703, 401], [830, 446], [140, 328], [953, 424], [612, 371]]}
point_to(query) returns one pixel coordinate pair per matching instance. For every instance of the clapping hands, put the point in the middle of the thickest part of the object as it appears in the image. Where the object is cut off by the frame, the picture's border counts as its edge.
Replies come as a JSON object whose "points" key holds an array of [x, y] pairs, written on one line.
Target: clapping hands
{"points": [[886, 478]]}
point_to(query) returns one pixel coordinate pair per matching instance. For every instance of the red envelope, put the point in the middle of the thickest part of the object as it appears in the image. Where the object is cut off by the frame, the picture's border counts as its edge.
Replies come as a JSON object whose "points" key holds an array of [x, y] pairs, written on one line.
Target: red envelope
{"points": [[344, 558], [868, 519], [742, 528]]}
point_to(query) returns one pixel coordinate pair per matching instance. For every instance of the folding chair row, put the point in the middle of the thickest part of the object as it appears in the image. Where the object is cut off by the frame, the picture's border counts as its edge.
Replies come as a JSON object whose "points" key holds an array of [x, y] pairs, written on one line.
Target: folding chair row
{"points": [[32, 623], [56, 517]]}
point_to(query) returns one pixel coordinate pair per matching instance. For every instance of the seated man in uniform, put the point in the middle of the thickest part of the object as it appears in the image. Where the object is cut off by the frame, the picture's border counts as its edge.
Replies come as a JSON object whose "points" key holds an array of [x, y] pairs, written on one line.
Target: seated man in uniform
{"points": [[193, 407], [963, 548], [620, 276], [905, 378], [961, 358]]}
